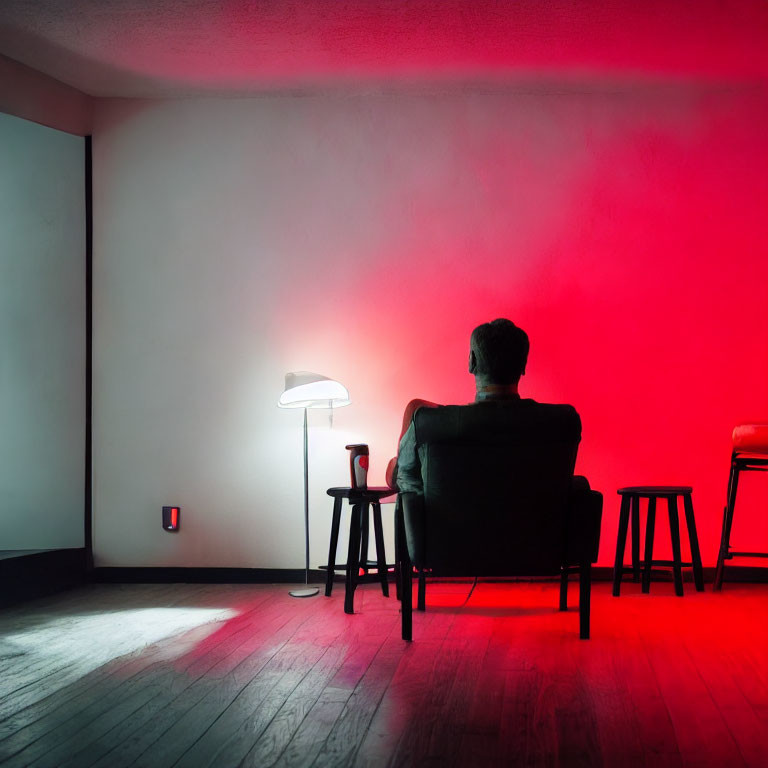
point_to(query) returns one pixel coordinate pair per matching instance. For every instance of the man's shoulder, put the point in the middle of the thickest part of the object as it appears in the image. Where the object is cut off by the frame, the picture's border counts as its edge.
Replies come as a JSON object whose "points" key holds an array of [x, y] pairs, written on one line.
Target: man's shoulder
{"points": [[518, 414], [518, 405]]}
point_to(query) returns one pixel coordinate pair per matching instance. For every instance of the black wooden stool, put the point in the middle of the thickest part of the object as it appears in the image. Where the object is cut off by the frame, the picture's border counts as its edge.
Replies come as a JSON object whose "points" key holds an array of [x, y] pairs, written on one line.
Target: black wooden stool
{"points": [[630, 501], [361, 500]]}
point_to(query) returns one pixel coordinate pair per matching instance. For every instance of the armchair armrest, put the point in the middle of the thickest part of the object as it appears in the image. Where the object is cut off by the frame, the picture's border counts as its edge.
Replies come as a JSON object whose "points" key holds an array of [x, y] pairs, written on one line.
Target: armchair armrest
{"points": [[414, 523], [585, 512]]}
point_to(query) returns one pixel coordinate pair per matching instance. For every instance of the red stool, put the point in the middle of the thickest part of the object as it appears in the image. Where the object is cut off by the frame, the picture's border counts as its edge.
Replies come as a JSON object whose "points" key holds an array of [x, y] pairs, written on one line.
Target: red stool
{"points": [[750, 454]]}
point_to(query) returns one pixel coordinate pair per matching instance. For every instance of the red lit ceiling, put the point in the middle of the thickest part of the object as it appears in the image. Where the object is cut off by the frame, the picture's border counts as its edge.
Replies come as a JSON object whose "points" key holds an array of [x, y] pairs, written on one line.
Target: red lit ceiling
{"points": [[178, 47]]}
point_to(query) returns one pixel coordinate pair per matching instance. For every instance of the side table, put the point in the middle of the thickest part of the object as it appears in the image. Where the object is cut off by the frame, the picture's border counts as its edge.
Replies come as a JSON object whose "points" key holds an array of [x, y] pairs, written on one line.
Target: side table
{"points": [[362, 500]]}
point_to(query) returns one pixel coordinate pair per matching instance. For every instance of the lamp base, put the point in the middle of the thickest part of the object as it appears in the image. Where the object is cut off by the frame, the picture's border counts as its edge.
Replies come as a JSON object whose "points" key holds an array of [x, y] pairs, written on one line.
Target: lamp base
{"points": [[311, 592]]}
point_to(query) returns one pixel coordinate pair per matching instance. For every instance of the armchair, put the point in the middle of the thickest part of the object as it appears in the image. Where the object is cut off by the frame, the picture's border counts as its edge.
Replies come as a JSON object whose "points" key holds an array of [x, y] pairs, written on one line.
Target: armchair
{"points": [[499, 499]]}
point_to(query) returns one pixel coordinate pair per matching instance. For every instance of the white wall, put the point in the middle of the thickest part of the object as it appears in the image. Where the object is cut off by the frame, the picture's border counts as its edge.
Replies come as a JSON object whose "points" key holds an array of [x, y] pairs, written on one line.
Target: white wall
{"points": [[363, 236], [42, 336]]}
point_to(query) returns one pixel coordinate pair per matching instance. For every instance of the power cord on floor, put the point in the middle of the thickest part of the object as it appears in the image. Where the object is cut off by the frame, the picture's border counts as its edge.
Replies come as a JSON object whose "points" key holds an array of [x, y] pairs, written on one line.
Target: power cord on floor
{"points": [[474, 584]]}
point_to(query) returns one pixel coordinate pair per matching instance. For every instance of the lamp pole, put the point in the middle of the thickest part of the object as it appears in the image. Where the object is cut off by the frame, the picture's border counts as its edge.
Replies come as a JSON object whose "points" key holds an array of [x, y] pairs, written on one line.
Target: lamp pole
{"points": [[311, 591], [304, 389], [306, 499]]}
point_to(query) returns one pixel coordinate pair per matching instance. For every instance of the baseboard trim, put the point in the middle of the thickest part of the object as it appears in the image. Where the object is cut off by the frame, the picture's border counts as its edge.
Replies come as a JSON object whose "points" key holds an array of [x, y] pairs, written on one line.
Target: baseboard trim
{"points": [[44, 573], [734, 573], [155, 575], [41, 573]]}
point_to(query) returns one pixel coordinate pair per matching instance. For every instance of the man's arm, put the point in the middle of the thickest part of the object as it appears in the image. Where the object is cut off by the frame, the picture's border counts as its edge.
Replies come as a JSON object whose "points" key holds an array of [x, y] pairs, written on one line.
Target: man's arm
{"points": [[408, 476]]}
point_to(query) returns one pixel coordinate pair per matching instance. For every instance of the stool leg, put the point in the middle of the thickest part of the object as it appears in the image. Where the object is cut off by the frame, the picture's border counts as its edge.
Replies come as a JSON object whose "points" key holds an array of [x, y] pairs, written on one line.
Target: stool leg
{"points": [[564, 588], [650, 527], [364, 527], [335, 522], [725, 538], [421, 603], [381, 558], [635, 517], [674, 534], [690, 524], [618, 566], [353, 558]]}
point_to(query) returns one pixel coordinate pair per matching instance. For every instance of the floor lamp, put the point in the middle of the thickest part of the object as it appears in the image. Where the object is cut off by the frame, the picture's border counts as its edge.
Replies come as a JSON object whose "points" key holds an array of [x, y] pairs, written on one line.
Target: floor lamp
{"points": [[310, 390]]}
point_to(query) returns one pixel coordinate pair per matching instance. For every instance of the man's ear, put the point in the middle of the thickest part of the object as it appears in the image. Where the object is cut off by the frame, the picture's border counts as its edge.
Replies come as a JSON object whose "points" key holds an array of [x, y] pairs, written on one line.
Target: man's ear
{"points": [[472, 362]]}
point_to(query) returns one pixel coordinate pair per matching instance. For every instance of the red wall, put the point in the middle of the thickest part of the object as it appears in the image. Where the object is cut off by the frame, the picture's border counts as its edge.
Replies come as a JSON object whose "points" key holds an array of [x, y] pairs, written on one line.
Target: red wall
{"points": [[625, 231]]}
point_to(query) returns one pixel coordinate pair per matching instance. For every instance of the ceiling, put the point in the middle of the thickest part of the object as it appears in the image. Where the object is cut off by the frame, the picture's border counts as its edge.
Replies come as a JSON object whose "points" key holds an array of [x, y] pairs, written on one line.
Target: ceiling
{"points": [[152, 48]]}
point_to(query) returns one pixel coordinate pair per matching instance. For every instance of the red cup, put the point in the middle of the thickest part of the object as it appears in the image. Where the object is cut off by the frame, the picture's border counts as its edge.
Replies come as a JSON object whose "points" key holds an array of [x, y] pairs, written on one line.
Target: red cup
{"points": [[358, 465]]}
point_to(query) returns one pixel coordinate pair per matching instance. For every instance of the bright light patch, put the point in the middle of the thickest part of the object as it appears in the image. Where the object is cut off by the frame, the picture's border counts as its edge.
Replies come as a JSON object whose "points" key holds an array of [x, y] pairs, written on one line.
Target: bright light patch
{"points": [[88, 641]]}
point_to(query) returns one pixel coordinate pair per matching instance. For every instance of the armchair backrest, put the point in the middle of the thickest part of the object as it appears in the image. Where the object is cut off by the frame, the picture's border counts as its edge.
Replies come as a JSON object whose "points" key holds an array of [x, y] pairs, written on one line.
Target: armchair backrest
{"points": [[496, 477]]}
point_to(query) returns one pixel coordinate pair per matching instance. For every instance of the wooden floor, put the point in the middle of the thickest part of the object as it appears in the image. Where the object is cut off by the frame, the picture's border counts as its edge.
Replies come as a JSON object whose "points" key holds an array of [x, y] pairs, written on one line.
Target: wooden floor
{"points": [[198, 675]]}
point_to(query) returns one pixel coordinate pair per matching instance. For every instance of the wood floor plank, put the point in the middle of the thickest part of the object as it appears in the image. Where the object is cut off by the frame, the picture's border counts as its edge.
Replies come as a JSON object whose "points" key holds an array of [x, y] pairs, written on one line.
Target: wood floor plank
{"points": [[73, 655], [423, 676], [50, 657], [58, 713], [255, 699], [746, 728], [395, 713], [702, 735], [652, 722], [472, 633], [168, 735], [664, 682], [276, 722], [308, 740], [611, 699], [349, 730], [48, 738], [159, 694]]}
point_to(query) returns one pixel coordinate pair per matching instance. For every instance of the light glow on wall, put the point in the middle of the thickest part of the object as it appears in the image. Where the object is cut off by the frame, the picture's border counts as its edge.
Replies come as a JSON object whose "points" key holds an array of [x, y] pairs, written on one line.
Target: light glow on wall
{"points": [[364, 233]]}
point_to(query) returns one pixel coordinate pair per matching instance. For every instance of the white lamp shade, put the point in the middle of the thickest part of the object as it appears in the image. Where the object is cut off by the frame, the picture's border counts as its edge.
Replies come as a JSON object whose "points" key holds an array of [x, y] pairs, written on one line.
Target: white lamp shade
{"points": [[311, 390]]}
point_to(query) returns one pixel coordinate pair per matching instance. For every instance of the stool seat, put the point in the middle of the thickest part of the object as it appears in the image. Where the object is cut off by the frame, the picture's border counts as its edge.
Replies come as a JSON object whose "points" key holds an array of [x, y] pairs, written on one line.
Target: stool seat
{"points": [[376, 493], [751, 438], [656, 490]]}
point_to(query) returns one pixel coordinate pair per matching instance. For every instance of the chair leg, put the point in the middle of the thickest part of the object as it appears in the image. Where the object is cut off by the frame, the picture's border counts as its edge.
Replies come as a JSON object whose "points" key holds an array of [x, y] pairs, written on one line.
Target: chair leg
{"points": [[690, 524], [635, 518], [353, 558], [725, 538], [618, 566], [335, 523], [674, 534], [405, 569], [381, 558], [650, 527], [585, 592], [421, 603], [564, 588], [398, 546]]}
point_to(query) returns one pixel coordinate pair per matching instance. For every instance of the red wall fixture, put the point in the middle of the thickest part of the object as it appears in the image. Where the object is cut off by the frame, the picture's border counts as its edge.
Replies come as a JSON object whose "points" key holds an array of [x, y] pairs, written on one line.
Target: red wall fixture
{"points": [[171, 518]]}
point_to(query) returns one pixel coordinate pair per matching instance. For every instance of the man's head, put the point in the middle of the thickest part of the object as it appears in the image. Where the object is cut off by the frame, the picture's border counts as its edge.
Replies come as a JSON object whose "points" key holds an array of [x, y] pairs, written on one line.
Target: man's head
{"points": [[498, 352]]}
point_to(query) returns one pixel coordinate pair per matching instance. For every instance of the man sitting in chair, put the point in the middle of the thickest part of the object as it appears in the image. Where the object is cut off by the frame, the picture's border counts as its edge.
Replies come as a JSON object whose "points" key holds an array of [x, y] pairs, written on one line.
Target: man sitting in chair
{"points": [[498, 353], [487, 489]]}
